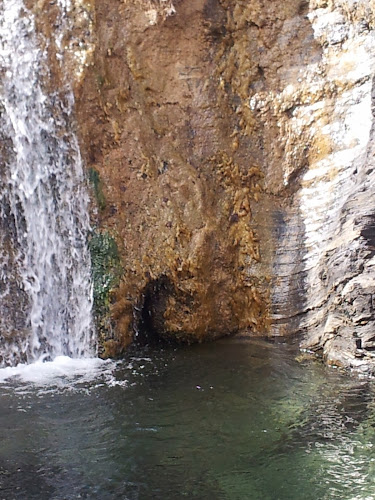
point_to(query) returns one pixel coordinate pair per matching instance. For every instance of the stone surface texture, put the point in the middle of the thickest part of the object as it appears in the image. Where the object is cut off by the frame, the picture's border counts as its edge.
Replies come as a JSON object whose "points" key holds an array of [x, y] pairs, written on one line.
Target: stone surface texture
{"points": [[234, 142], [182, 182]]}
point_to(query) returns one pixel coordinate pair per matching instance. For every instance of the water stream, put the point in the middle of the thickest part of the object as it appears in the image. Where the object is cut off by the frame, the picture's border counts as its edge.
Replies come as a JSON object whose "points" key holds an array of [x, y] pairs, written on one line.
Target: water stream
{"points": [[45, 289]]}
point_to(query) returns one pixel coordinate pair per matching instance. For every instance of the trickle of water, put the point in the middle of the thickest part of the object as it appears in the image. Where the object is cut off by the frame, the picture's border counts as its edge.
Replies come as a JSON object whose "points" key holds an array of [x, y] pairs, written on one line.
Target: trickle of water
{"points": [[45, 264]]}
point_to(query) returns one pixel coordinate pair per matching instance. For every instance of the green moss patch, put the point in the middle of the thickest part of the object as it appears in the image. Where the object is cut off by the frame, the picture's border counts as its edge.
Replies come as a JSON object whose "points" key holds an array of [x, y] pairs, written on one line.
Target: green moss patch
{"points": [[106, 274], [97, 187]]}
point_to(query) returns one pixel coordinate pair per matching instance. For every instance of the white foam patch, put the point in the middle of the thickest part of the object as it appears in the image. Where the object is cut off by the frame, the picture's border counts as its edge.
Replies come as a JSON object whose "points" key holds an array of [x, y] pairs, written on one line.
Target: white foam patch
{"points": [[63, 372]]}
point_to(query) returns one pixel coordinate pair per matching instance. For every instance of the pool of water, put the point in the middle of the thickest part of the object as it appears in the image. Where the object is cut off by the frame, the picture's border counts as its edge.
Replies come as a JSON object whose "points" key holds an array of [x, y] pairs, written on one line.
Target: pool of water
{"points": [[236, 419]]}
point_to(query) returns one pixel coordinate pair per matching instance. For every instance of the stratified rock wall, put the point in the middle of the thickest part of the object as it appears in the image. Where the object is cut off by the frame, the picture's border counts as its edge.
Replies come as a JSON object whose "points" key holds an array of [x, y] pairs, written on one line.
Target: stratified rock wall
{"points": [[234, 143], [337, 195], [324, 257]]}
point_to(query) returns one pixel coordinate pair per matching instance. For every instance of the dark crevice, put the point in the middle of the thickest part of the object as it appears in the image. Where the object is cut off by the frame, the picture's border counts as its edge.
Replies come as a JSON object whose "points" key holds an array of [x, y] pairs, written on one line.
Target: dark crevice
{"points": [[368, 231], [303, 8], [149, 318]]}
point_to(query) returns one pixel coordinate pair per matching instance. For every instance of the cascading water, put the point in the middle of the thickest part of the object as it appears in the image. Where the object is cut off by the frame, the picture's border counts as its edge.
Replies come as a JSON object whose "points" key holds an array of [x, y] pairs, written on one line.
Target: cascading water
{"points": [[45, 287]]}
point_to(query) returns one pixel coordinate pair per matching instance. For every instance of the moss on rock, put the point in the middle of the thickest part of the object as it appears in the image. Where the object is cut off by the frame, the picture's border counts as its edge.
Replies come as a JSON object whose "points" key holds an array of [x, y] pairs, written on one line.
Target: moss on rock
{"points": [[106, 274], [97, 187]]}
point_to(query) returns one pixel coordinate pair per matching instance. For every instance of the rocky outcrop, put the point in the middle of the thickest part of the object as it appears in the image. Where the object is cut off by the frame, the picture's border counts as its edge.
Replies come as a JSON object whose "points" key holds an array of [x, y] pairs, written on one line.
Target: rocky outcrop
{"points": [[324, 113], [231, 143], [181, 183]]}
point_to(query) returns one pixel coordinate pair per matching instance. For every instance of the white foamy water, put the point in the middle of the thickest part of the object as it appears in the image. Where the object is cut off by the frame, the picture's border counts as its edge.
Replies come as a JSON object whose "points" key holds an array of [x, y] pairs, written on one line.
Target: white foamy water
{"points": [[44, 201], [61, 373]]}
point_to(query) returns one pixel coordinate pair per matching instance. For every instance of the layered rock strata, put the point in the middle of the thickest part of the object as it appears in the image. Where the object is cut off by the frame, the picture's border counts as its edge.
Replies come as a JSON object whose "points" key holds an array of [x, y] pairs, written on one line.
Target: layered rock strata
{"points": [[324, 257]]}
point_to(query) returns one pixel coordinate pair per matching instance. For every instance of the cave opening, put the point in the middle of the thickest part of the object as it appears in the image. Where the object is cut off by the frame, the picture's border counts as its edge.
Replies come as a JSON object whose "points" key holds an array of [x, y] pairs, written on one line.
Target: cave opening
{"points": [[149, 318]]}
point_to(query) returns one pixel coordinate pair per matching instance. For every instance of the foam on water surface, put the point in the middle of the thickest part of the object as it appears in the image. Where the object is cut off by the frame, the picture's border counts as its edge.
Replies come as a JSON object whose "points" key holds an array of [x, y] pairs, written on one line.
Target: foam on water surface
{"points": [[62, 373]]}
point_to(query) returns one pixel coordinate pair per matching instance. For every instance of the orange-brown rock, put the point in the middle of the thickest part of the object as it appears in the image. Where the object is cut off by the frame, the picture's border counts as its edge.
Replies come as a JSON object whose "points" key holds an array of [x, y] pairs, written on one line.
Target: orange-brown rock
{"points": [[181, 176], [234, 142]]}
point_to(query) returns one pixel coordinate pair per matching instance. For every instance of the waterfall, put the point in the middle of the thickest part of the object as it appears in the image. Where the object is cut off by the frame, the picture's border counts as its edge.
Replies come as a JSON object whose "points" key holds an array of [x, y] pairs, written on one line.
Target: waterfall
{"points": [[45, 286]]}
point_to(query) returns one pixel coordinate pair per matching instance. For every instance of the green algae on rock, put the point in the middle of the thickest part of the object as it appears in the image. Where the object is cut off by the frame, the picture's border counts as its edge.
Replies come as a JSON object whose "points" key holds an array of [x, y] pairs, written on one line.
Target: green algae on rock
{"points": [[106, 273], [97, 187]]}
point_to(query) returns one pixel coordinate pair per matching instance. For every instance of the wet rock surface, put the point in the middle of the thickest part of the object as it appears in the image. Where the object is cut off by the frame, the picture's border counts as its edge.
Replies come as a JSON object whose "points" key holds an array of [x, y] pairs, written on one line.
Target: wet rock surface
{"points": [[234, 143], [182, 184]]}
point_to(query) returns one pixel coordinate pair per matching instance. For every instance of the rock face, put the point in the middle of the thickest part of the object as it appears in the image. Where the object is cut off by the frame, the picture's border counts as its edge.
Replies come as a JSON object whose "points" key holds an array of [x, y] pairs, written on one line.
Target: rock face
{"points": [[232, 144], [325, 247], [182, 183]]}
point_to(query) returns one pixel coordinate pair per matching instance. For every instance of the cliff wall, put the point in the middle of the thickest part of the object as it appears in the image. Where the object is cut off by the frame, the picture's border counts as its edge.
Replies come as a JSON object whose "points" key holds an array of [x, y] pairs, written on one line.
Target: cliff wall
{"points": [[181, 179], [230, 147]]}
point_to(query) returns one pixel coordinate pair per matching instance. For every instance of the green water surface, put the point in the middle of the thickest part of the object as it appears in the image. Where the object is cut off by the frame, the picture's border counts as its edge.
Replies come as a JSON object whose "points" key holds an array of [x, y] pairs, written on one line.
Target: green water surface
{"points": [[231, 420]]}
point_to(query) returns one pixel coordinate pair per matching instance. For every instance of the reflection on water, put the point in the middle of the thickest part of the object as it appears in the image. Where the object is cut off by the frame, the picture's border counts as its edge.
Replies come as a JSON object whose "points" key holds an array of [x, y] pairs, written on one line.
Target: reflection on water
{"points": [[230, 420]]}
